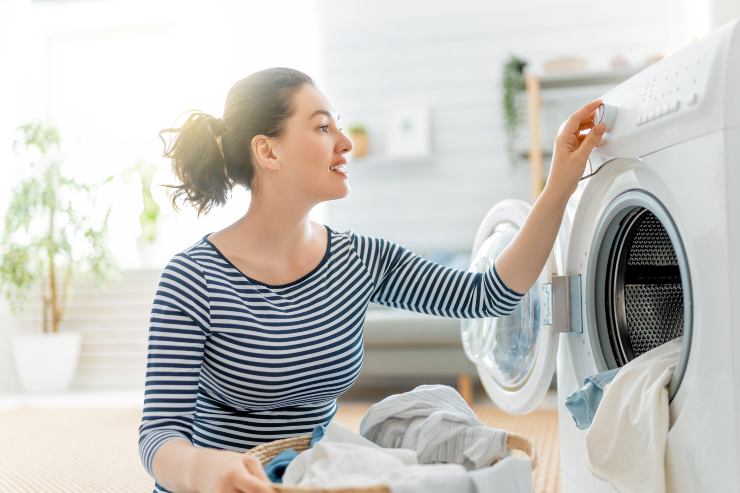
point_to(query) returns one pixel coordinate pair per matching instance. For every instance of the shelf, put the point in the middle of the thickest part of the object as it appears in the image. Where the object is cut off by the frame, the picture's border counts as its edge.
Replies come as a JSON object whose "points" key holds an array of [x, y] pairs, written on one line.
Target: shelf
{"points": [[586, 78], [525, 154]]}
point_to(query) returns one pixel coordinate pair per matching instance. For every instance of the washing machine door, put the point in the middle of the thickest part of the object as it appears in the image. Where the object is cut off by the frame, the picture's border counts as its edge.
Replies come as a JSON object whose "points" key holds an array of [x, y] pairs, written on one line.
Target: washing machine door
{"points": [[516, 354]]}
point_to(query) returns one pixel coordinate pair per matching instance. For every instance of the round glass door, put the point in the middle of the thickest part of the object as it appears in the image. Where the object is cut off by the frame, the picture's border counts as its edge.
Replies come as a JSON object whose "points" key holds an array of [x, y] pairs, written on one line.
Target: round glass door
{"points": [[515, 354]]}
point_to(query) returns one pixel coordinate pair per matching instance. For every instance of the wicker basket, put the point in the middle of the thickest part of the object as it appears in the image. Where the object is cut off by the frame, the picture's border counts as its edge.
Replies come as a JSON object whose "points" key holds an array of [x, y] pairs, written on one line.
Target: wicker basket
{"points": [[267, 451]]}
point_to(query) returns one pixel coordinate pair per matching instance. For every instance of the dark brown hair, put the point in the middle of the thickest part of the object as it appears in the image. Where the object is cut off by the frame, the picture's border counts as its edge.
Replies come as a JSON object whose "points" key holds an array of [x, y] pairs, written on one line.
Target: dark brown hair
{"points": [[210, 155]]}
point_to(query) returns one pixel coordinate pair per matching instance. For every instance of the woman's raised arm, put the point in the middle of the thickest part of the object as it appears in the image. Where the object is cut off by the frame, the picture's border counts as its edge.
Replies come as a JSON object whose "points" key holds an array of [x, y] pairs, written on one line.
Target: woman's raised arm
{"points": [[522, 261]]}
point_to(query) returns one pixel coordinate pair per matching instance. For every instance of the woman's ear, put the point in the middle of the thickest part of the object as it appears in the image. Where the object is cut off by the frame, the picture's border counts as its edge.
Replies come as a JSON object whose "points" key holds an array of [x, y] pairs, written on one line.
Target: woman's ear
{"points": [[263, 149]]}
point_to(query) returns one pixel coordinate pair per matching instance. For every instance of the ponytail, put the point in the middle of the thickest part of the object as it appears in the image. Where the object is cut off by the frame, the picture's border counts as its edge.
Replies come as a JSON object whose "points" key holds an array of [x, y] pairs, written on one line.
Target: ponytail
{"points": [[198, 162]]}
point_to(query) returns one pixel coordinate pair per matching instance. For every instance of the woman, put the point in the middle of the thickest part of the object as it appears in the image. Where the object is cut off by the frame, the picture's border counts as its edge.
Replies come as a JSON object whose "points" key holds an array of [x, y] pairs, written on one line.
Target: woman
{"points": [[256, 329]]}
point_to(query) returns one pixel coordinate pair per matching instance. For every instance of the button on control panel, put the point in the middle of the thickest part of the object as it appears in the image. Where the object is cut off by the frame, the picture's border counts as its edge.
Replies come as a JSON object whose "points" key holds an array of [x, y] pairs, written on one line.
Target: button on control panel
{"points": [[665, 109]]}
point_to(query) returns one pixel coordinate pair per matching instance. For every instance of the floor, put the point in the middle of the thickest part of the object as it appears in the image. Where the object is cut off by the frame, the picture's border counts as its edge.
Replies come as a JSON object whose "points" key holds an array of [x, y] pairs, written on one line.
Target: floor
{"points": [[87, 442]]}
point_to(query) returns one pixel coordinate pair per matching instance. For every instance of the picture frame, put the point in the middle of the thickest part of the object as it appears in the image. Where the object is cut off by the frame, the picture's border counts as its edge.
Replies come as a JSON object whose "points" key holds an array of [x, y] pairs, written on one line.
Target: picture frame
{"points": [[408, 131]]}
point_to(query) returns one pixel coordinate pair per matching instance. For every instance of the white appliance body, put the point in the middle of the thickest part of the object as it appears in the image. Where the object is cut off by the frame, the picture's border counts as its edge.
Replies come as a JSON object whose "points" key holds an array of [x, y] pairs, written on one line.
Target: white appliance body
{"points": [[673, 154]]}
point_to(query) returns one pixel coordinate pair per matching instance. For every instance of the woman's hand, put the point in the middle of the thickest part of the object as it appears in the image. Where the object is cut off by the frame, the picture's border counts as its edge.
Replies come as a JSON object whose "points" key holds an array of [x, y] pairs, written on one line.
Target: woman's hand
{"points": [[225, 471], [572, 149], [521, 262]]}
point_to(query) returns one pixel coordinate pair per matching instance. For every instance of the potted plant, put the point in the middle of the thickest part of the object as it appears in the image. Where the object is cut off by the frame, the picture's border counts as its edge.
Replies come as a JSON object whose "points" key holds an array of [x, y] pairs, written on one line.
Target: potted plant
{"points": [[150, 212], [49, 238], [513, 84], [360, 141]]}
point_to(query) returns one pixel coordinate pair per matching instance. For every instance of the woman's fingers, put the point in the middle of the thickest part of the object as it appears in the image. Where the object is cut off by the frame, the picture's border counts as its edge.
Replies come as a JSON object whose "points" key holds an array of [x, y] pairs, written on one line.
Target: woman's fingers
{"points": [[252, 479], [589, 141], [585, 129], [589, 123], [250, 484], [583, 115], [255, 467]]}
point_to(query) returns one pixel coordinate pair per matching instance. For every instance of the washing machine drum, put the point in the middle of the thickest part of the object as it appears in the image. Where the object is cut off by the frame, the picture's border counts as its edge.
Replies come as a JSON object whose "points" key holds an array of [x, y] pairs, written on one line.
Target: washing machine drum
{"points": [[644, 297], [642, 289]]}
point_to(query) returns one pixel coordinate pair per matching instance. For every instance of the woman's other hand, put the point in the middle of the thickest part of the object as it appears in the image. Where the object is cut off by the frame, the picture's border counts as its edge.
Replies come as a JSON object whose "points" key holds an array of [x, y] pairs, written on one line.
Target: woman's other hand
{"points": [[224, 471], [572, 148]]}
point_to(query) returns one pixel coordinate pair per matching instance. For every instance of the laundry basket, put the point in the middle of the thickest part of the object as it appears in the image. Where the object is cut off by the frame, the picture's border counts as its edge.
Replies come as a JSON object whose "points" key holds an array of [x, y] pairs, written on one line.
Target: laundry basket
{"points": [[267, 451]]}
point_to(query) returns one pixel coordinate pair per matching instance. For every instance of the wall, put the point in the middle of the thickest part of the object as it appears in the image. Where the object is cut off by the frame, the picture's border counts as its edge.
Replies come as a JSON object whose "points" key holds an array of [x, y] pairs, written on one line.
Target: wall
{"points": [[448, 56]]}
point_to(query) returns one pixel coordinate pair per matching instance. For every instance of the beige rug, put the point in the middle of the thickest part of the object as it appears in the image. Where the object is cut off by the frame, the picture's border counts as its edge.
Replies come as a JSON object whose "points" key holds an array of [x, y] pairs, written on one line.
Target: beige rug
{"points": [[89, 450]]}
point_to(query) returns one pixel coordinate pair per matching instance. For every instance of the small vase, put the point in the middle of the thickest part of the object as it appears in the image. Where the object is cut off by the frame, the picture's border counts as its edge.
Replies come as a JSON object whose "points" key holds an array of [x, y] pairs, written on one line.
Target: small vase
{"points": [[46, 362], [361, 144]]}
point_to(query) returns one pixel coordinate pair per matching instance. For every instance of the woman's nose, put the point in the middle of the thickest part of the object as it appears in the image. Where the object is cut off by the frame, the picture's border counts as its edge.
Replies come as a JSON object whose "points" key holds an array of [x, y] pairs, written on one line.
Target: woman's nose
{"points": [[345, 143]]}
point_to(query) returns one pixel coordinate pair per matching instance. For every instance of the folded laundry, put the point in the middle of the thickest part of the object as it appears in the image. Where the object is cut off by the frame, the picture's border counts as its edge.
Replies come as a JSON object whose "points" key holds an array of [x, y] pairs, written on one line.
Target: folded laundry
{"points": [[625, 444], [345, 459], [436, 422], [584, 402]]}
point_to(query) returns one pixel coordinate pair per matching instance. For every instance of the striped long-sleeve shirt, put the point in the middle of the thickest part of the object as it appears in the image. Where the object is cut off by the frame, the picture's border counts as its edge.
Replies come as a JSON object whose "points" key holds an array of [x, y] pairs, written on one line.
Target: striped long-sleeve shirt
{"points": [[234, 362]]}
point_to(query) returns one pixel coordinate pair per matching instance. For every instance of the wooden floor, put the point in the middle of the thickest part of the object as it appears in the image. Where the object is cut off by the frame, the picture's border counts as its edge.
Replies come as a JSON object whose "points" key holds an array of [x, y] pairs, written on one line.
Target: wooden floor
{"points": [[95, 450]]}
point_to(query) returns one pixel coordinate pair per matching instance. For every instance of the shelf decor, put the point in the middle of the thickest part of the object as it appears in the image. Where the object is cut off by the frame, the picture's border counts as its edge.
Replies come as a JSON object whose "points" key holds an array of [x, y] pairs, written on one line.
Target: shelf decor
{"points": [[512, 83]]}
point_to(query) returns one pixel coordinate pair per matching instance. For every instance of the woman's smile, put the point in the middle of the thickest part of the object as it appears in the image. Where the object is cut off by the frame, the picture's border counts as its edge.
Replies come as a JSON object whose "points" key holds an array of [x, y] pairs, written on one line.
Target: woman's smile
{"points": [[339, 169]]}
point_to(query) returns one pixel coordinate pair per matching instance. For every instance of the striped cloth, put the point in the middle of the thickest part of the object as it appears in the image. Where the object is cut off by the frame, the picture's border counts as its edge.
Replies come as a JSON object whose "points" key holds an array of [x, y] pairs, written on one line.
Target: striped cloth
{"points": [[234, 362]]}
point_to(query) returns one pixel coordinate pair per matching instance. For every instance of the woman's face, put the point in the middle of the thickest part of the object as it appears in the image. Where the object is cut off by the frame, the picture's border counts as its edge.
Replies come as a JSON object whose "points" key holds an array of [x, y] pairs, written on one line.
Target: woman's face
{"points": [[311, 143]]}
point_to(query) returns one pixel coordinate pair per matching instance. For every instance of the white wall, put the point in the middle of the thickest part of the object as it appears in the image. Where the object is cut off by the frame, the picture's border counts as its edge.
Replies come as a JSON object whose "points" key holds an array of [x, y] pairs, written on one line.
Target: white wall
{"points": [[722, 11], [448, 55]]}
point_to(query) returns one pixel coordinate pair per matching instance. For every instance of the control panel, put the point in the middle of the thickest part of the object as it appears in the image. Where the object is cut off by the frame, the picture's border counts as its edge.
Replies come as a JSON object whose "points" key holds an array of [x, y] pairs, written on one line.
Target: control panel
{"points": [[675, 99]]}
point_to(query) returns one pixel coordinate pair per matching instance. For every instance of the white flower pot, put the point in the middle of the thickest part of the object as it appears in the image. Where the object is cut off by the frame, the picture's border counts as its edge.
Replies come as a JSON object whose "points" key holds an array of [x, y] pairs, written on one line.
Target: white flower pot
{"points": [[148, 253], [46, 362]]}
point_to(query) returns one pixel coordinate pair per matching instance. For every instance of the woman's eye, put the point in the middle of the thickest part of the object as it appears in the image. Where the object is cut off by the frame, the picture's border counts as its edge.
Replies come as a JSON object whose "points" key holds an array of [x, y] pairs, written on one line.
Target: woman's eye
{"points": [[324, 128]]}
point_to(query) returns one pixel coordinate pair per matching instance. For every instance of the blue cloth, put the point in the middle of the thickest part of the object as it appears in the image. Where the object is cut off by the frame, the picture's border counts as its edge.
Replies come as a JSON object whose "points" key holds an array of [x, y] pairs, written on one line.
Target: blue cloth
{"points": [[584, 402], [276, 467]]}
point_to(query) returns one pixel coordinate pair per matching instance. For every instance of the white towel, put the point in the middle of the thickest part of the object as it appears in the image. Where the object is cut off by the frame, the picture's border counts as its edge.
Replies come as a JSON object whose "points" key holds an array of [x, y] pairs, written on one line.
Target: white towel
{"points": [[625, 444]]}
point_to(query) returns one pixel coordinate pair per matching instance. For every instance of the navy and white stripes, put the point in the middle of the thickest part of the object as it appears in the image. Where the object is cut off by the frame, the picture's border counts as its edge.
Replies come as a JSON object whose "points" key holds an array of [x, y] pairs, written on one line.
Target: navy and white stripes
{"points": [[233, 362]]}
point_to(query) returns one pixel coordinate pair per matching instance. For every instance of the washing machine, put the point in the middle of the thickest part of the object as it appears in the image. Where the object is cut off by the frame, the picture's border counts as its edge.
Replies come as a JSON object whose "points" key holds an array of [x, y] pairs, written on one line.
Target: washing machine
{"points": [[648, 250]]}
